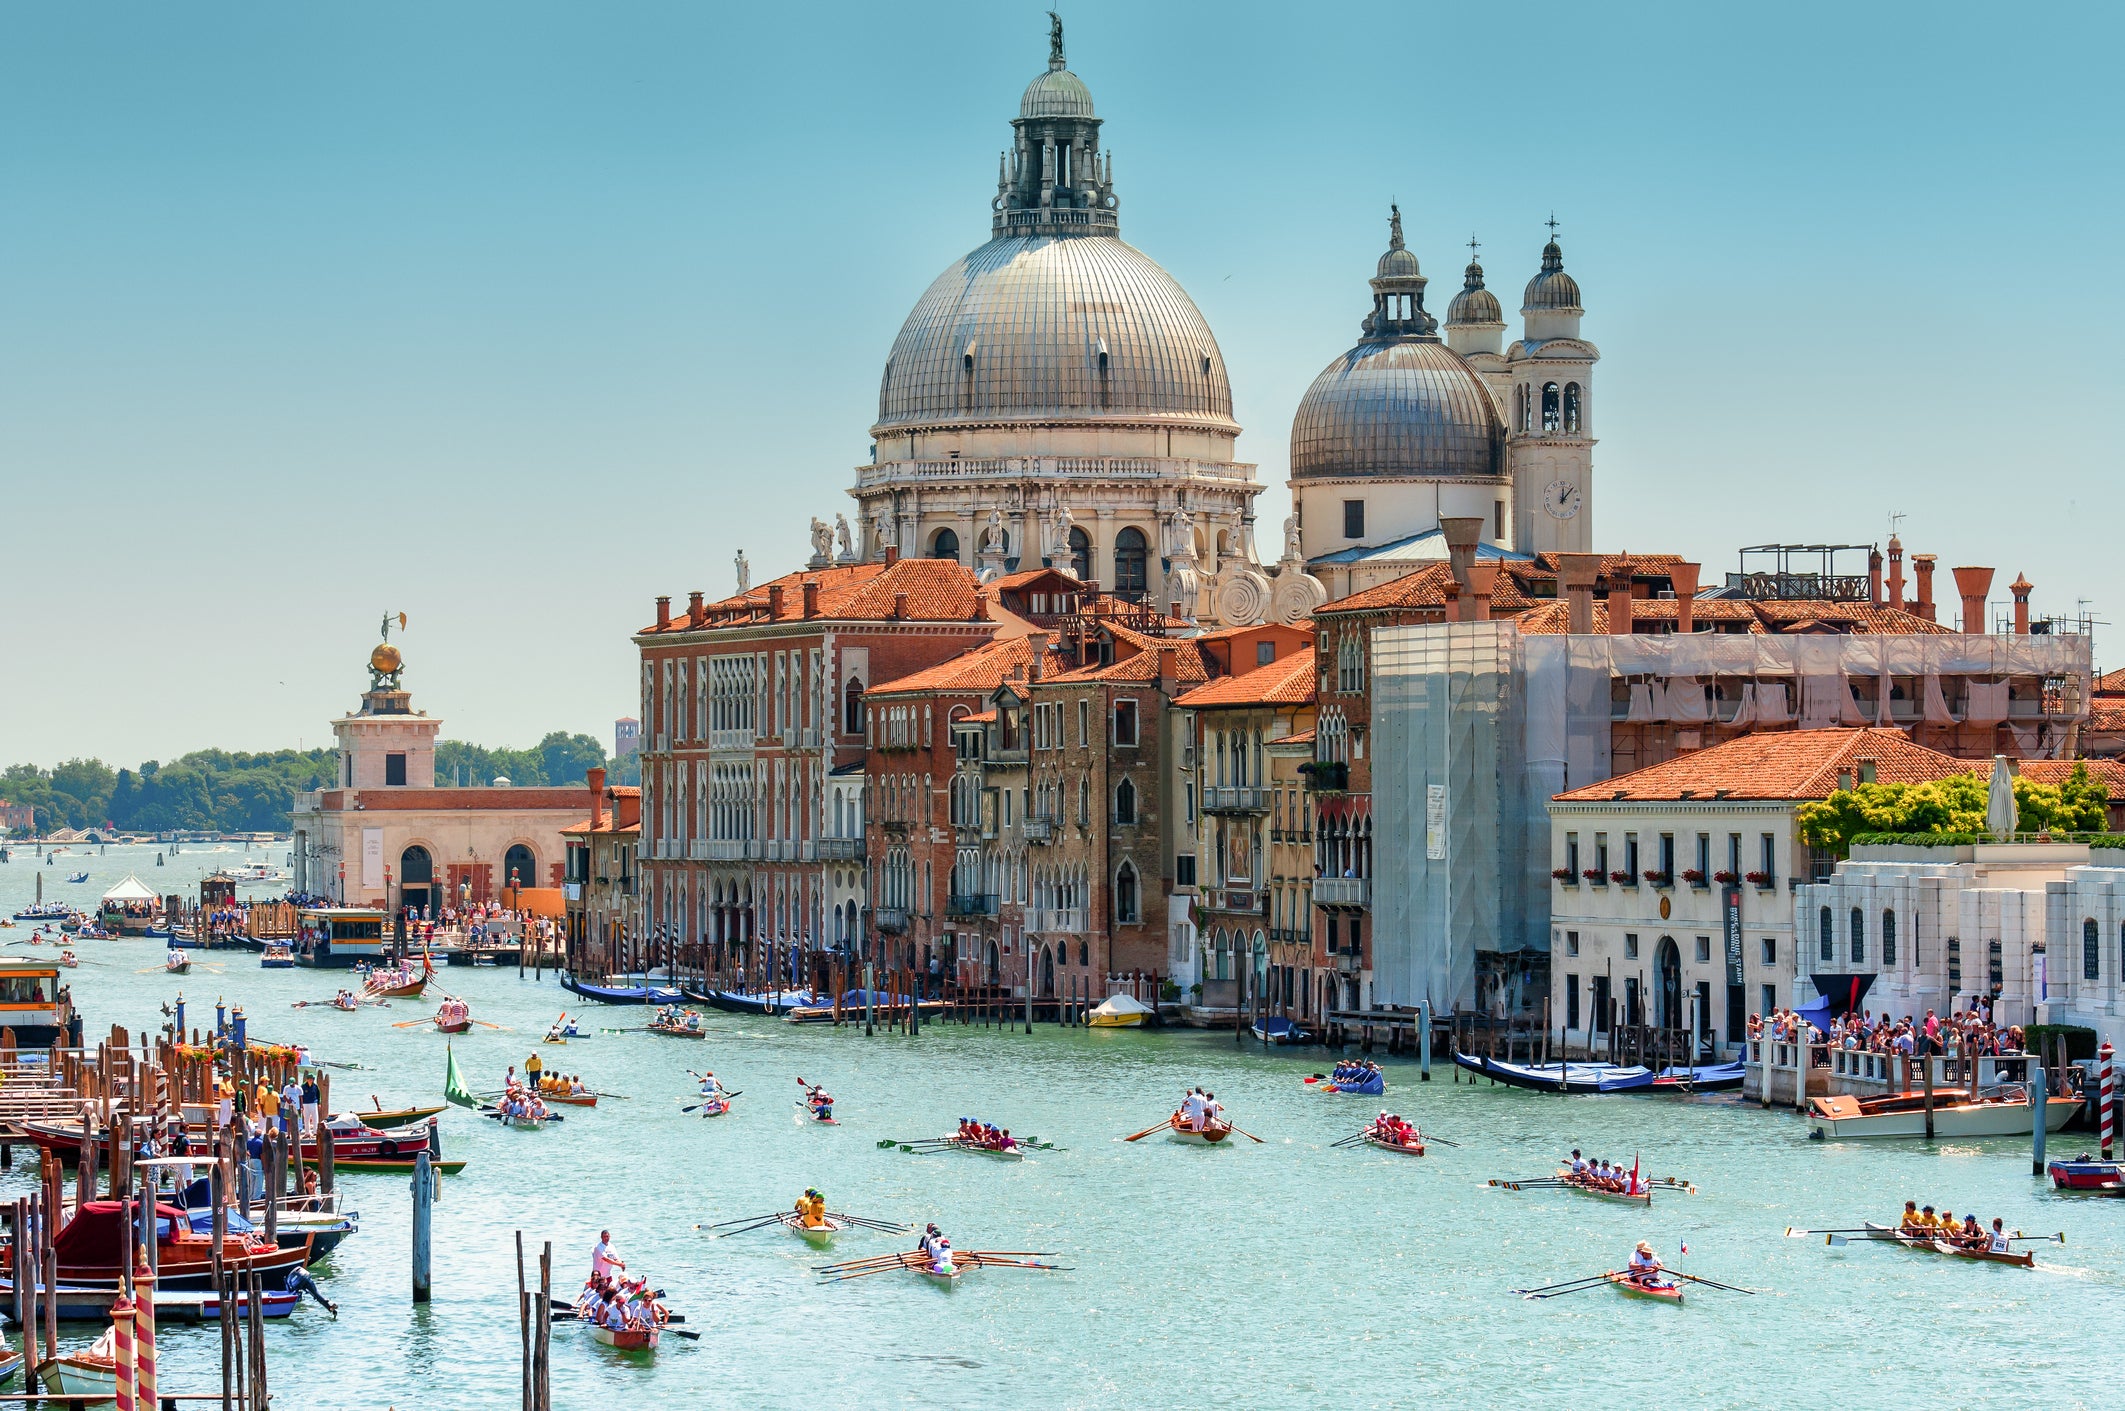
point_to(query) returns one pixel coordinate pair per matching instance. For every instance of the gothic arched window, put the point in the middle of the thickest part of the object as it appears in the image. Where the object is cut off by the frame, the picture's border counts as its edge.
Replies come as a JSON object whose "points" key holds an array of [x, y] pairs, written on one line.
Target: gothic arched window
{"points": [[1081, 555], [1571, 406], [1829, 938], [945, 546], [1125, 893], [1131, 551], [1125, 802], [852, 708], [1888, 938], [1549, 406], [2091, 951], [1859, 936]]}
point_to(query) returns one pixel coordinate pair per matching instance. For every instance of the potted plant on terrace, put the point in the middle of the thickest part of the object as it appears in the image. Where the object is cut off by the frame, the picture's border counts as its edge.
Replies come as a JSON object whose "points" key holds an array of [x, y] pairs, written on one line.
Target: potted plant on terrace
{"points": [[1725, 878], [1659, 878], [1596, 876], [1761, 879], [1565, 875], [1694, 876]]}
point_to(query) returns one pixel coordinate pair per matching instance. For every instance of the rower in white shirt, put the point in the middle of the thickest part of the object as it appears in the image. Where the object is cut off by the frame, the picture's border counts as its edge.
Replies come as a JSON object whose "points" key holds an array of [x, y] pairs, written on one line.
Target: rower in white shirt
{"points": [[1192, 1110]]}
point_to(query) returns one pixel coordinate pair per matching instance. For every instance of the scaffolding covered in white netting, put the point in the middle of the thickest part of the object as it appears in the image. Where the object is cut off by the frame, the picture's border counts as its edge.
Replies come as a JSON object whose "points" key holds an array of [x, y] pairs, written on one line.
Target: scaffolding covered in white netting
{"points": [[1475, 727]]}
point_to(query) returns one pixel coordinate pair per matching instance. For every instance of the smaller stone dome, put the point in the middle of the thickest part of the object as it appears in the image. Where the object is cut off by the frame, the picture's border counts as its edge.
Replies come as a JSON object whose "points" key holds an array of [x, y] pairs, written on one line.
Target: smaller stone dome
{"points": [[1058, 93], [1399, 263], [1552, 289], [1474, 304]]}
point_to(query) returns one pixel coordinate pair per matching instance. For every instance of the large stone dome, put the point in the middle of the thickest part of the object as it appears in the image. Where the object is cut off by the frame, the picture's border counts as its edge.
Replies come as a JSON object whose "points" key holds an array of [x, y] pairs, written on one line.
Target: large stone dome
{"points": [[1046, 328], [1406, 407]]}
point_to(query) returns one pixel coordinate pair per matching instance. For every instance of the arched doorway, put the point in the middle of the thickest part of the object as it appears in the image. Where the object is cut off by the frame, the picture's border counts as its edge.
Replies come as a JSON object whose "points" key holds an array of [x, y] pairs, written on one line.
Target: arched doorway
{"points": [[1081, 555], [1047, 973], [519, 867], [416, 877], [1667, 984], [992, 963]]}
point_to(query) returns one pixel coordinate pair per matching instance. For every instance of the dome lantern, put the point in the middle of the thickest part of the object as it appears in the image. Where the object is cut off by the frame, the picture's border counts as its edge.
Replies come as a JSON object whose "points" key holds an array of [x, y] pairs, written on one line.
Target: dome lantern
{"points": [[1398, 290], [1055, 180], [1550, 308], [1475, 323]]}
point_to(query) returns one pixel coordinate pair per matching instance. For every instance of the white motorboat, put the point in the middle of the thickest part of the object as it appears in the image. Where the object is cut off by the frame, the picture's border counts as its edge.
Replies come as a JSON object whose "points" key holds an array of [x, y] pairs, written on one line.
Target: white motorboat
{"points": [[1954, 1115]]}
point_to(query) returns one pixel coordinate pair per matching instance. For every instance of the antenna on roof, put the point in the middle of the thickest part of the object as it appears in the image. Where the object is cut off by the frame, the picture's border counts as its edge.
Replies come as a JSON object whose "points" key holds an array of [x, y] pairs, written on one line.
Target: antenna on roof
{"points": [[1896, 524]]}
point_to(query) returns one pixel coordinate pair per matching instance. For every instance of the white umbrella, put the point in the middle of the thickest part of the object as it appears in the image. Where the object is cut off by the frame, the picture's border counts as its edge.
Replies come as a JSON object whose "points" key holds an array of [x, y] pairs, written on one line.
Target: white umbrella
{"points": [[2000, 814]]}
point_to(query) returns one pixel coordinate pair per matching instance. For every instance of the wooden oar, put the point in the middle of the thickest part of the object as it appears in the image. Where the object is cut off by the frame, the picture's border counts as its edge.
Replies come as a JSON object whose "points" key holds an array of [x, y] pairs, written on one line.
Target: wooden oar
{"points": [[2039, 1239], [1794, 1234], [1352, 1140], [1591, 1281], [984, 1260], [1708, 1283], [1247, 1134], [705, 1101], [1149, 1130], [741, 1220], [409, 1023], [1567, 1283]]}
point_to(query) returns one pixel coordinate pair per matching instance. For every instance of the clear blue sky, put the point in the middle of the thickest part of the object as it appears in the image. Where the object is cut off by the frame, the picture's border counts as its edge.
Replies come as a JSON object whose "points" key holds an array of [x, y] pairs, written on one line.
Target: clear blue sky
{"points": [[513, 315]]}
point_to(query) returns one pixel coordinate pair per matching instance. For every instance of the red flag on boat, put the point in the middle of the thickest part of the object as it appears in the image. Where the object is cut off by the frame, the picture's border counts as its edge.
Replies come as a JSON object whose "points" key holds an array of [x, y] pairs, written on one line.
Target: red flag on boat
{"points": [[1634, 1173]]}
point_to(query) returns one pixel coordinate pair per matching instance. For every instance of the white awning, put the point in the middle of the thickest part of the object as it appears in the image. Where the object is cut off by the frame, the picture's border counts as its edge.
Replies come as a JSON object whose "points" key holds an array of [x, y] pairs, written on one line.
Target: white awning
{"points": [[131, 889]]}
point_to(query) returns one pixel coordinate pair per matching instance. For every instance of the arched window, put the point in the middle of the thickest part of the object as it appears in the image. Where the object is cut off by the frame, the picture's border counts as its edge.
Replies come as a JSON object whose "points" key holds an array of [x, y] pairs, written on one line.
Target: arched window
{"points": [[519, 867], [1084, 803], [1125, 909], [1520, 400], [1859, 936], [2091, 950], [1571, 406], [1084, 953], [945, 545], [852, 708], [1888, 939], [1549, 406], [1081, 555], [1131, 552], [1125, 802], [1829, 937]]}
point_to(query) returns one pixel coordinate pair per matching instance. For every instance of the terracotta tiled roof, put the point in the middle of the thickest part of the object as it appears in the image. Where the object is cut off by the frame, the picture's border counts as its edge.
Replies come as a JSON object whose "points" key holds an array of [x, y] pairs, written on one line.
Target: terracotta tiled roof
{"points": [[2111, 683], [1767, 617], [1852, 617], [1182, 658], [2056, 771], [1643, 565], [1426, 588], [1789, 764], [1303, 737], [978, 671], [938, 590], [1287, 682], [2106, 715]]}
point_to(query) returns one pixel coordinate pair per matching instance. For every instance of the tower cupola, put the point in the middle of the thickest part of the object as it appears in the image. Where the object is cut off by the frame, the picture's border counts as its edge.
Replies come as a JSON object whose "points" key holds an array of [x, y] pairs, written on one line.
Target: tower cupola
{"points": [[1474, 321]]}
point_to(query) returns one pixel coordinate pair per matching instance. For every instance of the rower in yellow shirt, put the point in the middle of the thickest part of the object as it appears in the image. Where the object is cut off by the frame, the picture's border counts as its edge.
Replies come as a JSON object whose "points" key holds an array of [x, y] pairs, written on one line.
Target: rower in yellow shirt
{"points": [[1916, 1221], [811, 1209]]}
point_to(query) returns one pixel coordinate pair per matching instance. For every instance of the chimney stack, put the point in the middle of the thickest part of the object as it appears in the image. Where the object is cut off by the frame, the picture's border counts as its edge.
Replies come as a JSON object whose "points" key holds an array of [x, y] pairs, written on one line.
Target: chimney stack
{"points": [[1576, 575], [1462, 536], [663, 610], [2021, 587], [1037, 642], [1896, 572], [1475, 604], [774, 601], [811, 597], [595, 777], [1874, 577], [1922, 565], [1973, 584], [892, 555], [695, 613], [900, 607], [1619, 599], [1684, 577], [981, 608]]}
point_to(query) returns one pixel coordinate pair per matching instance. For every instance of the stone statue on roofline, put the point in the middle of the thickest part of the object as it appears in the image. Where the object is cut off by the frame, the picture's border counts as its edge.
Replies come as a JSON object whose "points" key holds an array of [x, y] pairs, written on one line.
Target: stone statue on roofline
{"points": [[989, 559], [1293, 552], [845, 551], [1059, 532], [745, 573], [883, 535], [822, 544]]}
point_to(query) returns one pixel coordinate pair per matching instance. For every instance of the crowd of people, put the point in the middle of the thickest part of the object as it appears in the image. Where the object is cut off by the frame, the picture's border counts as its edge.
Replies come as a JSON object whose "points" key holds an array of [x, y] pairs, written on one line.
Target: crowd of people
{"points": [[1965, 1033], [521, 1103], [1922, 1223], [986, 1135], [1603, 1175]]}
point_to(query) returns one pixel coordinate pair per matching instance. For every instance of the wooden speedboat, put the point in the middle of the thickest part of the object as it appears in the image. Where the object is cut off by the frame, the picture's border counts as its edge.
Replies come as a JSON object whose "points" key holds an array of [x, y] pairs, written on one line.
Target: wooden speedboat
{"points": [[352, 1140], [1664, 1292], [1197, 1136], [379, 1119], [1413, 1148], [818, 1236], [628, 1339], [395, 1166], [1564, 1175], [1904, 1115]]}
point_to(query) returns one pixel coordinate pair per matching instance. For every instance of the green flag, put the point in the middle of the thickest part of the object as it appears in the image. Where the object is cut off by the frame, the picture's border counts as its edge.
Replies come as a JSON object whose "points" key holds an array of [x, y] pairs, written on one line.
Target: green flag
{"points": [[454, 1089]]}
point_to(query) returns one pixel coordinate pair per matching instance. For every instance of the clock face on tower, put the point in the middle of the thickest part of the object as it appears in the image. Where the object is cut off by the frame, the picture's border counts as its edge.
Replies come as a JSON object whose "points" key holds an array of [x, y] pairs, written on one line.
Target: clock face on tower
{"points": [[1560, 499]]}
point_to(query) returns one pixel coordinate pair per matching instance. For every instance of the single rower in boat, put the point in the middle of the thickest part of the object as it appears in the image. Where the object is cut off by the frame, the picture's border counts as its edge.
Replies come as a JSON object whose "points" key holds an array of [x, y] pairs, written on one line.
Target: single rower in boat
{"points": [[1644, 1276]]}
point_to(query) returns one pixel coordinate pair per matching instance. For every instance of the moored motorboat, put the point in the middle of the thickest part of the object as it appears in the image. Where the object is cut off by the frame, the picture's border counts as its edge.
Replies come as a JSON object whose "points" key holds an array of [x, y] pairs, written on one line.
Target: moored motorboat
{"points": [[1657, 1290], [380, 1120], [2087, 1174], [1276, 1029], [84, 1374], [1904, 1115], [276, 956], [1120, 1012]]}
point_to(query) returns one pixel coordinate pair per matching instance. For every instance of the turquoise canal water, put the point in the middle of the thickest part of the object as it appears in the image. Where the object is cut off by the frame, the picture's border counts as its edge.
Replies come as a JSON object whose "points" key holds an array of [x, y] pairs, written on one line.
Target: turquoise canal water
{"points": [[1281, 1274]]}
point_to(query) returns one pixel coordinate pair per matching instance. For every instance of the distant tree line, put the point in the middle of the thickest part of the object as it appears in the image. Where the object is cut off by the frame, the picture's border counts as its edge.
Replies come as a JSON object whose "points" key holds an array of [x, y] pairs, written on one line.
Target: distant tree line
{"points": [[220, 791]]}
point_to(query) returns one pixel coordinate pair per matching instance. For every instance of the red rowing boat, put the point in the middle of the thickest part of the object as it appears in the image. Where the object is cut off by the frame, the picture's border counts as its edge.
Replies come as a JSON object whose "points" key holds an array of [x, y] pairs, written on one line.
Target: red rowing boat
{"points": [[1670, 1292]]}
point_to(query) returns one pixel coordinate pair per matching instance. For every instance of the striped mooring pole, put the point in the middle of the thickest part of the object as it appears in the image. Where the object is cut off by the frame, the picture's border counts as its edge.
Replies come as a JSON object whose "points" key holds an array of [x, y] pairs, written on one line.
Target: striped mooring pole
{"points": [[2103, 1057]]}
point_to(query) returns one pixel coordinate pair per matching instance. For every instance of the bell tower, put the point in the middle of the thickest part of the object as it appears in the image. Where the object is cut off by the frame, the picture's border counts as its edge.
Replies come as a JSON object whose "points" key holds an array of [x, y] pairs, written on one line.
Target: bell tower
{"points": [[1549, 415]]}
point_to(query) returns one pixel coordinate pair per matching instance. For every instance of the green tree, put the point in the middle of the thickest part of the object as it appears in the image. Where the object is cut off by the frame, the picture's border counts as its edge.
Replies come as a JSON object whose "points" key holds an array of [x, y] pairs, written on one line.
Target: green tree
{"points": [[1955, 805]]}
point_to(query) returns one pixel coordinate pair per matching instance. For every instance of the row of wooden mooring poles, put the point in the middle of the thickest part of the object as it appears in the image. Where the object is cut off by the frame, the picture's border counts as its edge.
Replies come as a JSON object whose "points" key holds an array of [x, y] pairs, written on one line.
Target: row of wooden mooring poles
{"points": [[120, 1092], [535, 1328]]}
